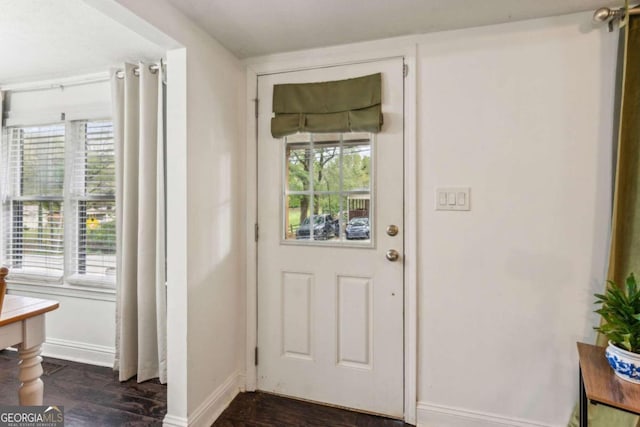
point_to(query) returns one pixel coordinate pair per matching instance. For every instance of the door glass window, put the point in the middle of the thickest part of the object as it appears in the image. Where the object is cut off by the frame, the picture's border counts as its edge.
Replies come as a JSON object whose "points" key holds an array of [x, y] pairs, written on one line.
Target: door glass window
{"points": [[327, 195]]}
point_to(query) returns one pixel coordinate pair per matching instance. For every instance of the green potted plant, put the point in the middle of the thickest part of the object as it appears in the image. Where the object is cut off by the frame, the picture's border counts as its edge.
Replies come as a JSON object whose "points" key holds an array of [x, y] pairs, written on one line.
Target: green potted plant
{"points": [[621, 313]]}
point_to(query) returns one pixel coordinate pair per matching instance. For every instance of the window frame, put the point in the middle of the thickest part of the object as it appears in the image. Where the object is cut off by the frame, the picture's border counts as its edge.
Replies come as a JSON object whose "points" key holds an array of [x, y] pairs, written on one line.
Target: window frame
{"points": [[71, 222], [285, 192]]}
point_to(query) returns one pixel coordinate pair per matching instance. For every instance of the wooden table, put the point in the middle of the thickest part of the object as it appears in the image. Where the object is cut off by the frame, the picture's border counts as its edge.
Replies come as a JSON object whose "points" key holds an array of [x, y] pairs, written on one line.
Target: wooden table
{"points": [[600, 385], [22, 326]]}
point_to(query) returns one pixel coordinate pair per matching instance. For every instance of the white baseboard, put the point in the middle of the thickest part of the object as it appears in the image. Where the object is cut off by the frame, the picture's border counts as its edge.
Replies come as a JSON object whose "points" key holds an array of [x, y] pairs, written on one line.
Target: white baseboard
{"points": [[242, 382], [432, 415], [216, 402], [171, 421], [79, 352]]}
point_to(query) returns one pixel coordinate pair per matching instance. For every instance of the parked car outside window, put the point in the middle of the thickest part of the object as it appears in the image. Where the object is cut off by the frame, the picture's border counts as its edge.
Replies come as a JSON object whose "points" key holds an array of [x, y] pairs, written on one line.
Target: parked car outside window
{"points": [[324, 227], [358, 228]]}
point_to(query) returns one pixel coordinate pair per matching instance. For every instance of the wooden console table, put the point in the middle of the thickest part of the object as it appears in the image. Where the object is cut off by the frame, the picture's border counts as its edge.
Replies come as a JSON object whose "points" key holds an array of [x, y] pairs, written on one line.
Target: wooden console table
{"points": [[22, 326], [599, 384]]}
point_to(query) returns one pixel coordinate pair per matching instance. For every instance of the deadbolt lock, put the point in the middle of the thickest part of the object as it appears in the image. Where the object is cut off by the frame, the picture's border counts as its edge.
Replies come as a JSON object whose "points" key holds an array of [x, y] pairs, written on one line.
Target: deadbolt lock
{"points": [[392, 230]]}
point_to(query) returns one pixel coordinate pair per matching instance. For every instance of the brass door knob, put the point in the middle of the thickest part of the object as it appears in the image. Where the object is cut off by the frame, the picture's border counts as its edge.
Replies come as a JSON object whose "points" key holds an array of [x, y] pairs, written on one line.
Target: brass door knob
{"points": [[392, 255]]}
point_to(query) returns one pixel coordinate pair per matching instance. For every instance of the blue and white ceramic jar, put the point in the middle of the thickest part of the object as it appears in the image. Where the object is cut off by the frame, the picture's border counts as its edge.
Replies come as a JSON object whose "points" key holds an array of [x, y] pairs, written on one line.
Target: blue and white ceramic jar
{"points": [[625, 364]]}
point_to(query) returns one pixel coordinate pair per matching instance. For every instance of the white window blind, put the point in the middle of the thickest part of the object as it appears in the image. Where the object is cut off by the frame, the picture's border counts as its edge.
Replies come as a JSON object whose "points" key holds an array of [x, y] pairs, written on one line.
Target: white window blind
{"points": [[34, 203], [67, 167]]}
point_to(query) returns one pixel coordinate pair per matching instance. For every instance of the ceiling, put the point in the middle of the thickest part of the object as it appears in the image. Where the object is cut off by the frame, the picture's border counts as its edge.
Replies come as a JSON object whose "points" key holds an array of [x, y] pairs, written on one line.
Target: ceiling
{"points": [[45, 39], [259, 27]]}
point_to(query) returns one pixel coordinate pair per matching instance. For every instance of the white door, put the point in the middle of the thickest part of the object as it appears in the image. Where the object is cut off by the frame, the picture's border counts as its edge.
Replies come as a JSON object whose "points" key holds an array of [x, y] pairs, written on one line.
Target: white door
{"points": [[330, 302]]}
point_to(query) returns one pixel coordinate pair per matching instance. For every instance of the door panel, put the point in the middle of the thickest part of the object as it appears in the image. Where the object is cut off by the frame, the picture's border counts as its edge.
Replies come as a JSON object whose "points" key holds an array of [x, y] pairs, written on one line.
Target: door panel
{"points": [[330, 304], [354, 322], [297, 300]]}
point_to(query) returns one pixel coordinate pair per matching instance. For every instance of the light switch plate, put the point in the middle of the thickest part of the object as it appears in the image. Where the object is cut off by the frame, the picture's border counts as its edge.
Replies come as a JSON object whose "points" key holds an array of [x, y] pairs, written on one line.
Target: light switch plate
{"points": [[453, 199]]}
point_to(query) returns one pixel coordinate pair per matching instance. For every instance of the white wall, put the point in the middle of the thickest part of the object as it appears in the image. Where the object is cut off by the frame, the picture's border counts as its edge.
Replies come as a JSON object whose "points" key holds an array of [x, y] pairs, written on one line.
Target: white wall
{"points": [[83, 101], [82, 329], [521, 113], [205, 213]]}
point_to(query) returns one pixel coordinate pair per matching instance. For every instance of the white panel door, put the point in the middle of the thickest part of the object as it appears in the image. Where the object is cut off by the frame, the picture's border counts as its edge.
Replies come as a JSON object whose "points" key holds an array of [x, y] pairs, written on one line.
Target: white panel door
{"points": [[330, 302]]}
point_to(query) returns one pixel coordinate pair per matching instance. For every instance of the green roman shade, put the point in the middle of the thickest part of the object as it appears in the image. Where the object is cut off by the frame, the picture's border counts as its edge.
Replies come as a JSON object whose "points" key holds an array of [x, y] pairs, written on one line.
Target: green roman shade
{"points": [[336, 106]]}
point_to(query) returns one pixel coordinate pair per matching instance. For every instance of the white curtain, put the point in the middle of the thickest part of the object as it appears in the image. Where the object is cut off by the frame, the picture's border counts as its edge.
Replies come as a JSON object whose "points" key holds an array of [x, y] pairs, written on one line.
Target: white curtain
{"points": [[140, 290]]}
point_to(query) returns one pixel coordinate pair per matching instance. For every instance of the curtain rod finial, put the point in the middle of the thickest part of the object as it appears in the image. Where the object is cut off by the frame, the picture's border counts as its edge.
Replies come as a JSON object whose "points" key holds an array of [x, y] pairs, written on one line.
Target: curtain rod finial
{"points": [[601, 15], [605, 14]]}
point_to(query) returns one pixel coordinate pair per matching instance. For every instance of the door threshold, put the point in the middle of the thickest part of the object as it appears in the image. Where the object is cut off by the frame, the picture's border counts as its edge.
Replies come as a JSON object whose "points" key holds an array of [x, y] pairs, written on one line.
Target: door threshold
{"points": [[331, 405]]}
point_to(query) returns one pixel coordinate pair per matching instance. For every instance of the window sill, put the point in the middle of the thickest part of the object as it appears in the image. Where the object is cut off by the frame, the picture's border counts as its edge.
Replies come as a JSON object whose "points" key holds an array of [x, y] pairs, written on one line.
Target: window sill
{"points": [[67, 290]]}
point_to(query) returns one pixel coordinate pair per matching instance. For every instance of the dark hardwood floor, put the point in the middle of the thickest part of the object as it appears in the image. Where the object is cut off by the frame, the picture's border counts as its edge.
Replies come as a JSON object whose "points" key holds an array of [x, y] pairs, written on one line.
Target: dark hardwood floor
{"points": [[266, 410], [91, 395]]}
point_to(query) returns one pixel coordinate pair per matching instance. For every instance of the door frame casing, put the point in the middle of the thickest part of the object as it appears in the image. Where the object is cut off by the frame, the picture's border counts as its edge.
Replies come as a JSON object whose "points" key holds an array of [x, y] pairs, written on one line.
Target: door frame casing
{"points": [[325, 57]]}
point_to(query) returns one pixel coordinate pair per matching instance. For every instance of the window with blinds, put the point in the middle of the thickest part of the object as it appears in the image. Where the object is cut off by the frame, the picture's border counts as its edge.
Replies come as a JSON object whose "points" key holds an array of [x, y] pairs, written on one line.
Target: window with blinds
{"points": [[59, 202], [35, 203], [93, 202]]}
